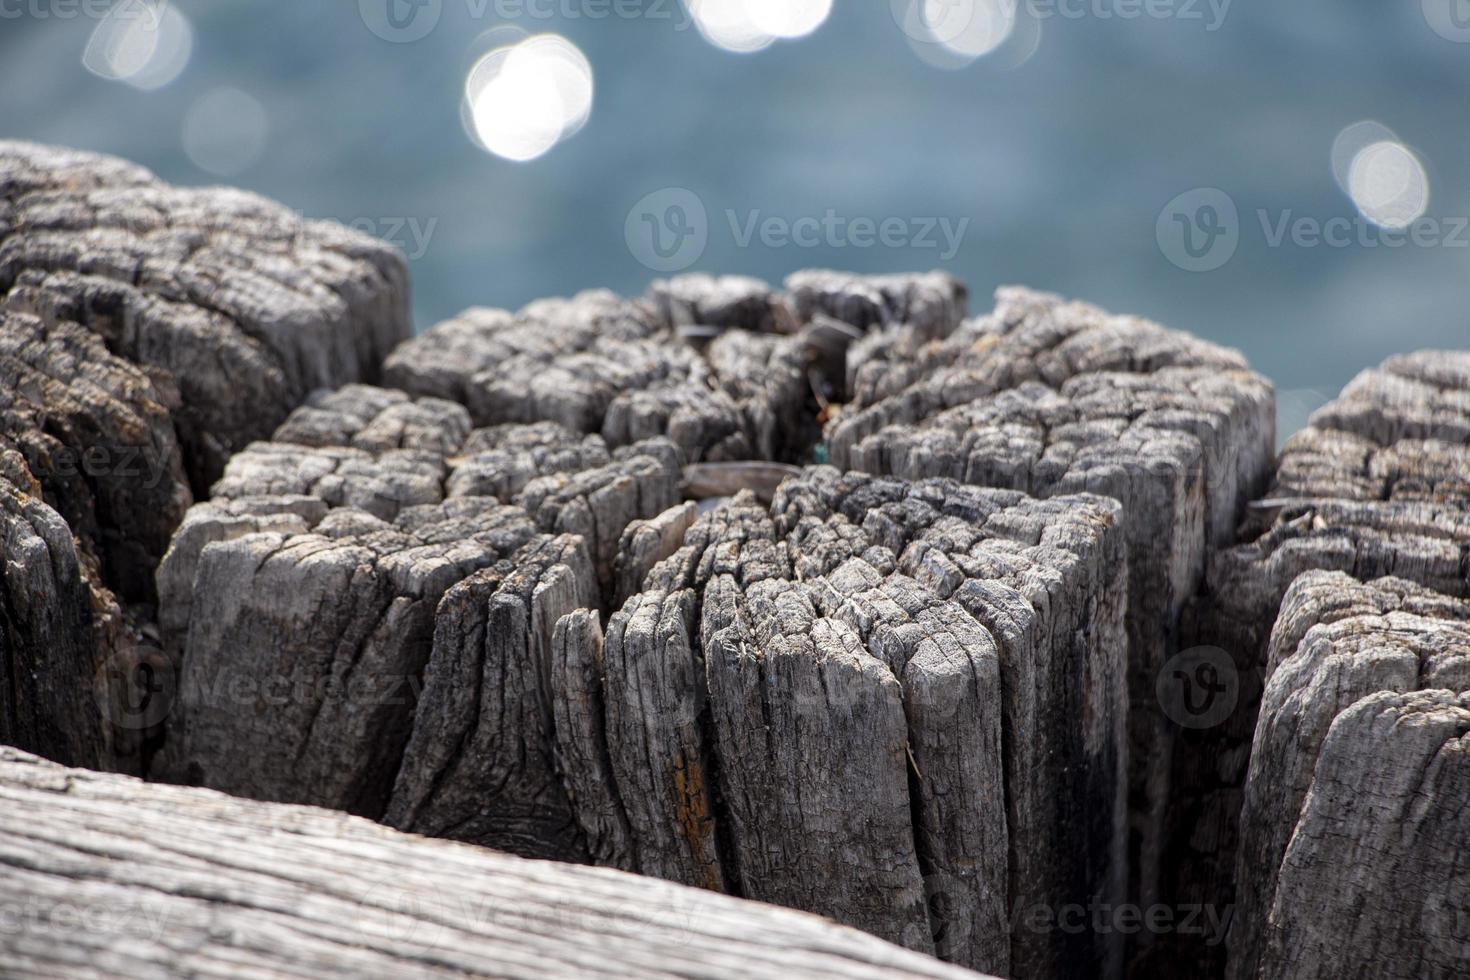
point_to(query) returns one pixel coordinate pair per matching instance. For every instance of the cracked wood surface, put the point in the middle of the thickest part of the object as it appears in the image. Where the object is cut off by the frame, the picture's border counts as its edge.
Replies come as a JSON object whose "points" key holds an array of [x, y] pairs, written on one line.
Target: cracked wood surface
{"points": [[332, 584], [109, 877], [842, 703], [1372, 487], [1052, 397], [1352, 844], [727, 368], [147, 333]]}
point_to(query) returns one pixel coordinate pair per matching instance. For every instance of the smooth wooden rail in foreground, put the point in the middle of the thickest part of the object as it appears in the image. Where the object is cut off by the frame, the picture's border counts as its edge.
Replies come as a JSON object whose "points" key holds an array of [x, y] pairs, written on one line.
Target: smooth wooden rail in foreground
{"points": [[107, 876]]}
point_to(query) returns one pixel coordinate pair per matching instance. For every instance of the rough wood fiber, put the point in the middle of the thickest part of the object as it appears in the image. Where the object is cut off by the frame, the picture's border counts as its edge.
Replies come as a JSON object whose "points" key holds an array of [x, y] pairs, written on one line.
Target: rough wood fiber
{"points": [[1372, 487], [305, 652], [929, 305], [90, 435], [48, 650], [146, 333], [599, 364], [727, 368], [1327, 729], [479, 765], [178, 881], [938, 640], [1376, 876], [299, 604], [240, 304], [720, 303], [1053, 397]]}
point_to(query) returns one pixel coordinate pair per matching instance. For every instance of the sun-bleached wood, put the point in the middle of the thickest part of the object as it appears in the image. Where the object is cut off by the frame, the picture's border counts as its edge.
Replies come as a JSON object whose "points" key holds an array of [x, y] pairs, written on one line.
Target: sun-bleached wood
{"points": [[103, 876]]}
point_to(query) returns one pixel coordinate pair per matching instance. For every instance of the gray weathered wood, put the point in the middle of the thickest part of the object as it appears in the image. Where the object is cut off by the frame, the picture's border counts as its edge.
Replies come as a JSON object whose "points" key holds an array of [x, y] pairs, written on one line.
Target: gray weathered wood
{"points": [[299, 605], [1053, 397], [628, 369], [1376, 876], [1337, 644], [479, 764], [931, 305], [106, 877], [940, 640], [1372, 487], [49, 647], [146, 333], [240, 303], [305, 652], [722, 303]]}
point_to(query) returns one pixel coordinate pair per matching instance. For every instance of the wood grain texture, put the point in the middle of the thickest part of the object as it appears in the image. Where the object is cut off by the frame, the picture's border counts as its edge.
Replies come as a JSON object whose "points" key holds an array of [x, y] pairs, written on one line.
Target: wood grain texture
{"points": [[147, 333], [905, 654], [1375, 876], [107, 877], [1051, 397], [1370, 488], [1339, 645], [50, 653], [331, 584], [728, 368], [240, 303]]}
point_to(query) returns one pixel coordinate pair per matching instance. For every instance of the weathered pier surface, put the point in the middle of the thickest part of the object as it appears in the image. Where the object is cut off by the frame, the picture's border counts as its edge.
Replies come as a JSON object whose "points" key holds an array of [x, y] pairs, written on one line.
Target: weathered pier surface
{"points": [[900, 705], [147, 333], [462, 678], [1355, 850], [473, 585], [1375, 486], [239, 304], [301, 603], [1054, 397], [727, 368], [107, 876], [49, 645]]}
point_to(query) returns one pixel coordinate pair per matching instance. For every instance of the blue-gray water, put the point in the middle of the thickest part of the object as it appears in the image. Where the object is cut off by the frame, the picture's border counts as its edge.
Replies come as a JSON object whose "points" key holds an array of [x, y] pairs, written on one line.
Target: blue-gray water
{"points": [[1059, 168]]}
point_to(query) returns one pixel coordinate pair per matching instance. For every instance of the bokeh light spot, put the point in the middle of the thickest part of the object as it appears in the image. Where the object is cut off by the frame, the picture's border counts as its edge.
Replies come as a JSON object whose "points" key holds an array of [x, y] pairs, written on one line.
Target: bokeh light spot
{"points": [[1388, 184], [522, 99], [788, 18], [224, 131], [145, 43]]}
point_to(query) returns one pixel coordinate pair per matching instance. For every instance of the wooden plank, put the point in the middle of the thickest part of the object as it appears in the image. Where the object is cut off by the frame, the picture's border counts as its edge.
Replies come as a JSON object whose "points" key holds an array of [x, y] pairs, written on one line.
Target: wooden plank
{"points": [[108, 877]]}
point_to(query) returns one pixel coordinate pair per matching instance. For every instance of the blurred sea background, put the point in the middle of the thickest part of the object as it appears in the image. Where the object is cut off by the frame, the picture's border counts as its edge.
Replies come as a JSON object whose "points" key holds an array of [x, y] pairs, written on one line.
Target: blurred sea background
{"points": [[1058, 151]]}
